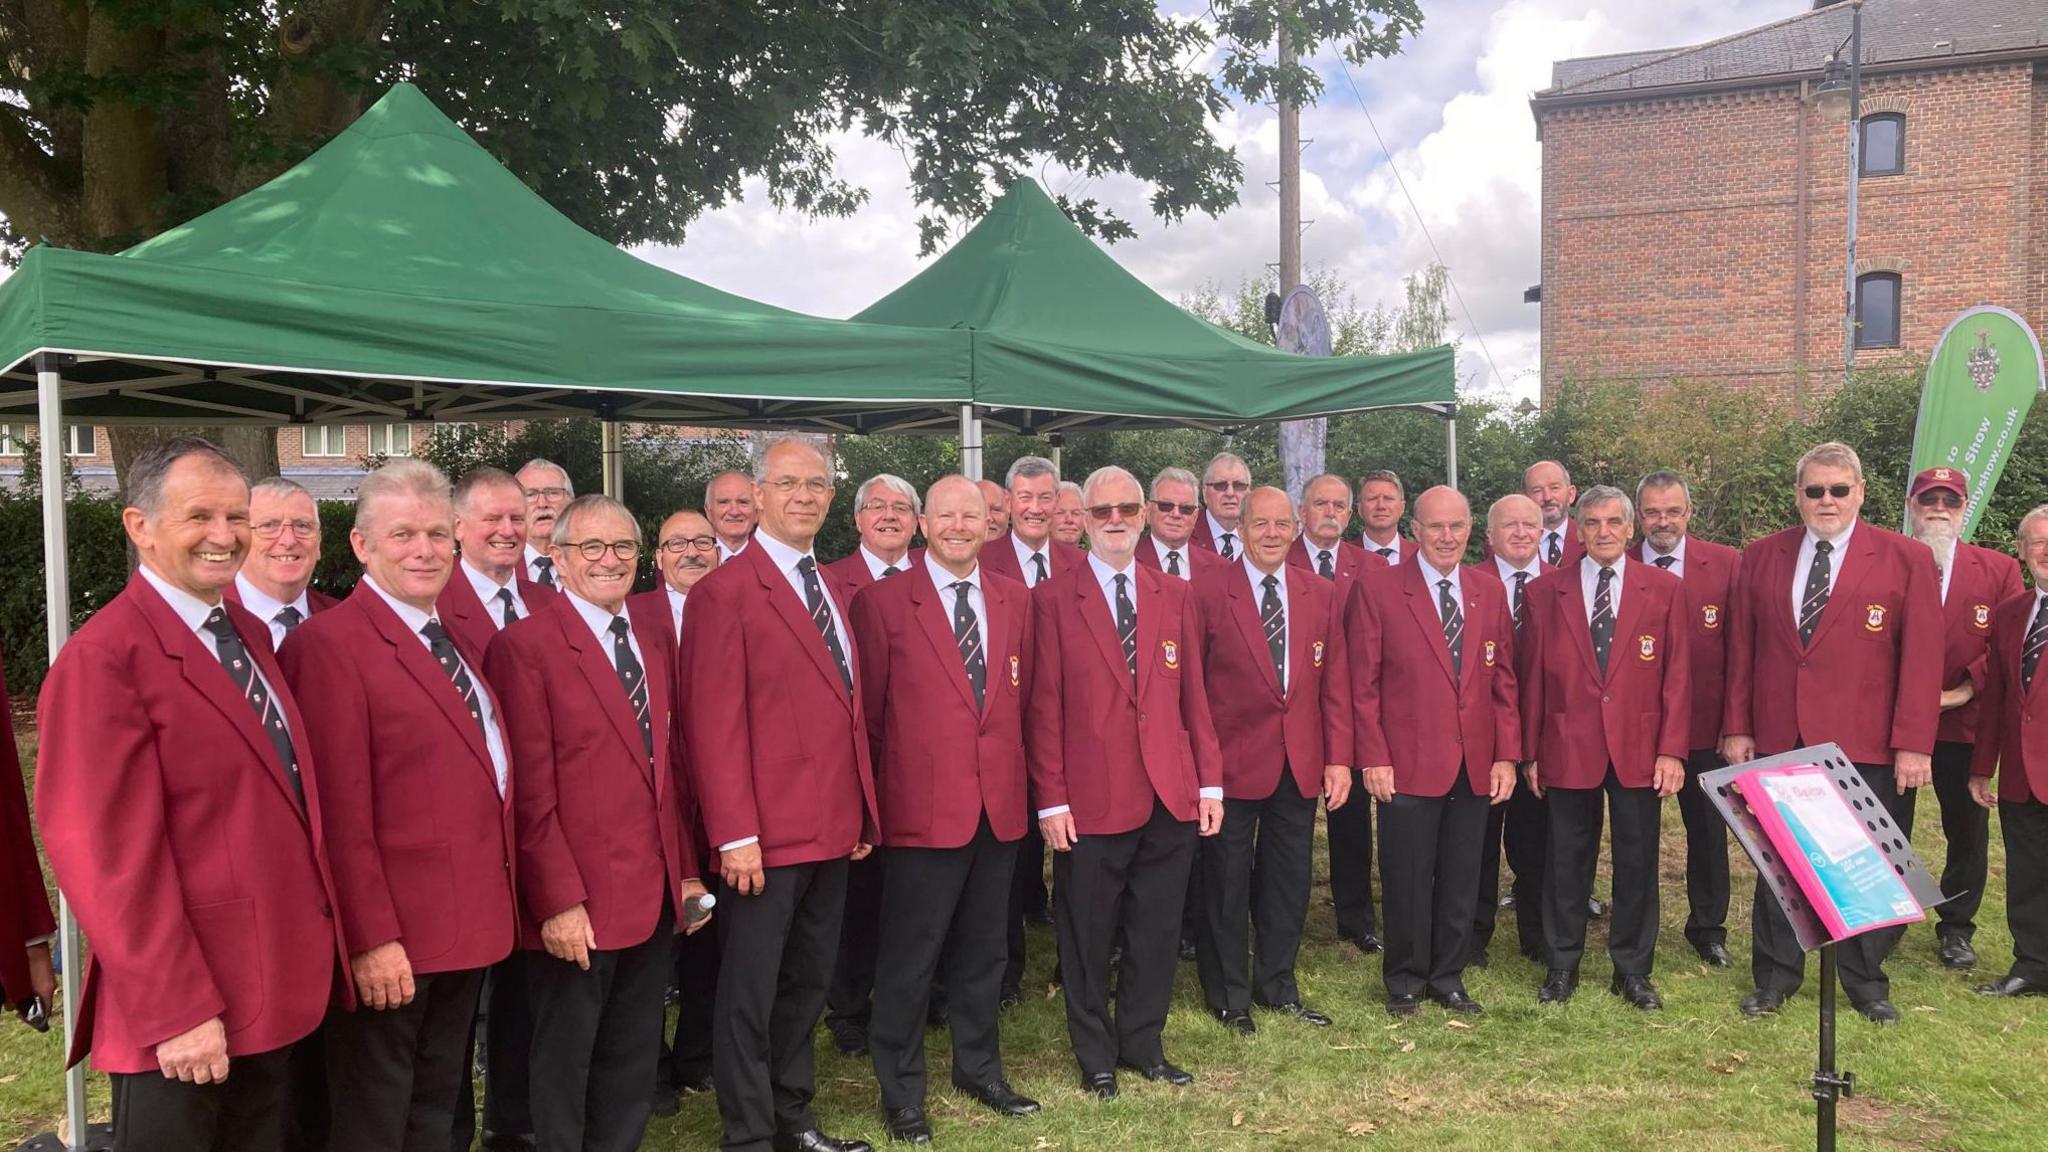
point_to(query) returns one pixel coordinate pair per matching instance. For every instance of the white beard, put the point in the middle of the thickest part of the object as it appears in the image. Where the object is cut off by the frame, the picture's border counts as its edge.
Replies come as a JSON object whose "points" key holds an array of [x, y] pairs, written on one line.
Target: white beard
{"points": [[1941, 540]]}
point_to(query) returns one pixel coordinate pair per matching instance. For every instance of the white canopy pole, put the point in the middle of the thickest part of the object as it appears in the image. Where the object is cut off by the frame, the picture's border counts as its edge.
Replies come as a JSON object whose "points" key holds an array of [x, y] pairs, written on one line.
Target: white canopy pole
{"points": [[1451, 445], [612, 447], [970, 443]]}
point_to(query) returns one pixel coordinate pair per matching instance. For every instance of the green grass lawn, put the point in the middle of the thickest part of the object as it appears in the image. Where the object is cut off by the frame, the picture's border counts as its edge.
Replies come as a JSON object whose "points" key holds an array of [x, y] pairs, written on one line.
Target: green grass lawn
{"points": [[1960, 1073]]}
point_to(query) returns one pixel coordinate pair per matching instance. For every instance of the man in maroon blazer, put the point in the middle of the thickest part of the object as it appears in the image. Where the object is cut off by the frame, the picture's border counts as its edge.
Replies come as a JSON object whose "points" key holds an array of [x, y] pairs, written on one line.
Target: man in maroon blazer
{"points": [[2012, 743], [1520, 827], [1974, 582], [1431, 649], [1225, 481], [1280, 695], [1069, 523], [1321, 547], [1602, 669], [729, 505], [998, 499], [1382, 501], [1550, 486], [418, 829], [685, 551], [26, 972], [606, 860], [1125, 771], [1709, 572], [180, 807], [1169, 546], [944, 657], [1838, 636], [1031, 554], [548, 490], [773, 717], [284, 546]]}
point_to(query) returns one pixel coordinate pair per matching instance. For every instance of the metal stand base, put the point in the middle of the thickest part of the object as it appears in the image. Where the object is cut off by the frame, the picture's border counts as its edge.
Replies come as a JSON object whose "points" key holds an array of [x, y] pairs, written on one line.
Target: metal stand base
{"points": [[98, 1138]]}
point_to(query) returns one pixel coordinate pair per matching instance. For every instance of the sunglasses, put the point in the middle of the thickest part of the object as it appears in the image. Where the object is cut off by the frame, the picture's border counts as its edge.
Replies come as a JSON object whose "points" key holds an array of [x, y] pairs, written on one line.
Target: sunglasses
{"points": [[1168, 508], [1939, 498], [1126, 511], [1230, 485], [1838, 491]]}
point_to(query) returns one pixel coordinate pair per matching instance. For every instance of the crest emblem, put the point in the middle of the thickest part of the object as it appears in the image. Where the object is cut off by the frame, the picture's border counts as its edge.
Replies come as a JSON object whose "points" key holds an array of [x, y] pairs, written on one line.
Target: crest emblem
{"points": [[1943, 474], [1316, 652], [1874, 620], [1983, 363], [1013, 672], [1489, 653], [1646, 647], [1710, 615], [1170, 649], [1982, 613]]}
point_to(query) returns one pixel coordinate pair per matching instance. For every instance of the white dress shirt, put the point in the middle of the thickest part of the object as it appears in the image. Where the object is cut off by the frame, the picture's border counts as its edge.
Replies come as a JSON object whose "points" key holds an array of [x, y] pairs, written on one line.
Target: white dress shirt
{"points": [[265, 607], [414, 620], [785, 559], [1024, 555], [1557, 536], [1217, 532], [725, 553], [877, 565], [1947, 565], [193, 612], [949, 599], [1651, 556], [1373, 547], [487, 591], [675, 607], [600, 624], [1187, 567], [1508, 572], [1803, 563], [1589, 583], [1430, 577], [533, 568], [1258, 580]]}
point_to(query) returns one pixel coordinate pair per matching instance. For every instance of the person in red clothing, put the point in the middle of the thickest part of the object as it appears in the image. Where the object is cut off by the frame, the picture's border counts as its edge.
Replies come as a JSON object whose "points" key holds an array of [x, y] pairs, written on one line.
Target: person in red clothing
{"points": [[284, 547], [1520, 828], [1550, 486], [25, 973]]}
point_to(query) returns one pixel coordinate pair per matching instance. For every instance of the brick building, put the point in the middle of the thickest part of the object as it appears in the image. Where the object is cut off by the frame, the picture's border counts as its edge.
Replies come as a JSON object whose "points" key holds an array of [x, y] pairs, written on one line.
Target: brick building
{"points": [[326, 458], [1694, 200]]}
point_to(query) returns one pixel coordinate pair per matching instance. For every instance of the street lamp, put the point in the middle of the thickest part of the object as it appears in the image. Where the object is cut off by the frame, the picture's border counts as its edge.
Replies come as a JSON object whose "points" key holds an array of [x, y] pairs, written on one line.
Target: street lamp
{"points": [[1840, 97]]}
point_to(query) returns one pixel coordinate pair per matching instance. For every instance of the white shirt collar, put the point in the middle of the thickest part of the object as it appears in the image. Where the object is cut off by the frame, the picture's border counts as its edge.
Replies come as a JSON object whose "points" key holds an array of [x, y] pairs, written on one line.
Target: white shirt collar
{"points": [[876, 564], [1651, 555], [487, 588], [532, 554], [1431, 576], [411, 617], [784, 556], [598, 620], [190, 609], [1217, 531], [1507, 571], [1841, 541], [1105, 575], [264, 606], [1025, 552], [1258, 578], [944, 580], [1315, 550], [1373, 546]]}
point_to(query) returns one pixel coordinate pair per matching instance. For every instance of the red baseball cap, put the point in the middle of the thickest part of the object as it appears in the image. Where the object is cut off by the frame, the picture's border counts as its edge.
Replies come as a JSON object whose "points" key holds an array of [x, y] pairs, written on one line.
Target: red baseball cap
{"points": [[1953, 479]]}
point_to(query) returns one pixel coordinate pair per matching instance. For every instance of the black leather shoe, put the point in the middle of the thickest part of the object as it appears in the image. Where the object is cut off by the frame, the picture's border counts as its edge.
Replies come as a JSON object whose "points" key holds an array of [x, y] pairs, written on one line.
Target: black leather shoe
{"points": [[1558, 986], [1507, 901], [1879, 1011], [1296, 1009], [1478, 959], [1102, 1085], [702, 1083], [1187, 949], [501, 1142], [1235, 1020], [998, 1097], [816, 1141], [1595, 908], [851, 1039], [2012, 986], [1164, 1073], [1367, 943], [1762, 1002], [1407, 1004], [1008, 999], [1458, 1002], [908, 1126], [1638, 991], [1956, 953], [1714, 954], [1532, 952]]}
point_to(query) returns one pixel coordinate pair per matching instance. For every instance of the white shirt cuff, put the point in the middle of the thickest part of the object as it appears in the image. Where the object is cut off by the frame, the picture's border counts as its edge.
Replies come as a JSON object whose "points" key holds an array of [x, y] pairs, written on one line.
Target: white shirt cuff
{"points": [[1046, 813], [739, 844], [1211, 793], [49, 938]]}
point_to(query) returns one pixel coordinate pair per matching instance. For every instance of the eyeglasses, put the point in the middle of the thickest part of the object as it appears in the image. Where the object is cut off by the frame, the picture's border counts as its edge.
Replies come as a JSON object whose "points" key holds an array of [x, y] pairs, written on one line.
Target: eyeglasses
{"points": [[1838, 491], [1106, 511], [272, 529], [1939, 498], [1168, 508], [788, 484], [550, 493], [1445, 527], [677, 545], [1230, 485], [594, 550], [899, 507]]}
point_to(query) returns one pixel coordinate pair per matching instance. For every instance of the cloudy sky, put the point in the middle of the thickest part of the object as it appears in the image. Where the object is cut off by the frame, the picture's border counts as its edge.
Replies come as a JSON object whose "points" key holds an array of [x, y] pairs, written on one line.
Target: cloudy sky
{"points": [[1453, 109]]}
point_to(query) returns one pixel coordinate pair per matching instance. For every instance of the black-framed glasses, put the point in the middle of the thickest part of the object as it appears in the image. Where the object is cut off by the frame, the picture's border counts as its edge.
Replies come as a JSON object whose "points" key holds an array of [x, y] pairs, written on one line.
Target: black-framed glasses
{"points": [[1168, 508], [272, 529], [1105, 511], [1939, 498], [677, 545], [594, 550], [1230, 485], [1838, 491], [551, 493]]}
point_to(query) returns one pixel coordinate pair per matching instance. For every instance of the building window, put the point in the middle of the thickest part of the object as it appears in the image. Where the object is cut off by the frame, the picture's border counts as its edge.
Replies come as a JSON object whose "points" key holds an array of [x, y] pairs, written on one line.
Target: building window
{"points": [[1877, 310], [1882, 151], [390, 439], [324, 440], [79, 440], [11, 438]]}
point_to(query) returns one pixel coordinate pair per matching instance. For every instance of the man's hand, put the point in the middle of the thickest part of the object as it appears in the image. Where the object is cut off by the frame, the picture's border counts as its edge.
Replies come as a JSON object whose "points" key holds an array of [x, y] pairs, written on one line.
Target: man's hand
{"points": [[1058, 830], [1532, 779], [42, 977], [196, 1057], [1668, 776], [1503, 781], [694, 888], [567, 936], [383, 976], [741, 868], [1379, 782], [1738, 749], [860, 851], [1336, 786], [1911, 769], [1984, 790], [1211, 815], [1958, 696]]}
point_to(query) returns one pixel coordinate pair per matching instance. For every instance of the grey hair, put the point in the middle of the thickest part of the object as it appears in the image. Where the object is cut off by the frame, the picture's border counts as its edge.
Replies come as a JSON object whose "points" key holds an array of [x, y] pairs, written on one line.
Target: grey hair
{"points": [[1029, 467], [280, 487], [1386, 475], [1067, 486], [544, 462], [713, 483], [146, 475], [401, 476], [1171, 475], [1600, 494], [595, 502], [1833, 453], [1221, 458], [475, 478], [896, 484], [1104, 475], [1663, 478], [2038, 512], [769, 446]]}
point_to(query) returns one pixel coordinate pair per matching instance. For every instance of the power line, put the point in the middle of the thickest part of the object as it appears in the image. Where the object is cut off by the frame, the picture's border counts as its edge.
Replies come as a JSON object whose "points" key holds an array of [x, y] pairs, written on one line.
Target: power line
{"points": [[1424, 225]]}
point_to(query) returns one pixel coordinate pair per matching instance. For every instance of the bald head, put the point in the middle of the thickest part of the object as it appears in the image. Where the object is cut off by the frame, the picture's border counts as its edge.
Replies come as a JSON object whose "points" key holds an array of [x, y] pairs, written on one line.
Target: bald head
{"points": [[1268, 528], [1514, 525], [686, 549], [1443, 526], [1550, 486]]}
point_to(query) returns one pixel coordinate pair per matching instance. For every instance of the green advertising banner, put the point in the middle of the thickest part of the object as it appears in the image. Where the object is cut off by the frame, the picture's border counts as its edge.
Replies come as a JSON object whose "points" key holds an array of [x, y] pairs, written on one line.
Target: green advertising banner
{"points": [[1980, 383]]}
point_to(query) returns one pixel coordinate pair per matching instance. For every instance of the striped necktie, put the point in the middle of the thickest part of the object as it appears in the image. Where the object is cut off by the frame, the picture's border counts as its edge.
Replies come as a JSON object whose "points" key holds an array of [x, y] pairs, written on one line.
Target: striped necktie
{"points": [[1274, 617], [1127, 625]]}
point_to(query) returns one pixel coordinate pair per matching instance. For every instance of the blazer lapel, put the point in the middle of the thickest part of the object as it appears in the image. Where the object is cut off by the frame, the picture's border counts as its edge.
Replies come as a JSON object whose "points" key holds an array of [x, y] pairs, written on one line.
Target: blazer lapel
{"points": [[935, 616], [1096, 618], [603, 680], [1253, 628], [1964, 567], [1632, 597], [790, 607], [997, 654], [1855, 566], [1777, 584], [1148, 604], [651, 633], [427, 673], [1571, 595], [1301, 636], [1422, 602]]}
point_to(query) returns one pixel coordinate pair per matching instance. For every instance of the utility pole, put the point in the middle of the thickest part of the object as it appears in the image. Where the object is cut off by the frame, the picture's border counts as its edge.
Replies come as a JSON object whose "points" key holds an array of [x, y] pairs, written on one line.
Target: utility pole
{"points": [[1302, 442]]}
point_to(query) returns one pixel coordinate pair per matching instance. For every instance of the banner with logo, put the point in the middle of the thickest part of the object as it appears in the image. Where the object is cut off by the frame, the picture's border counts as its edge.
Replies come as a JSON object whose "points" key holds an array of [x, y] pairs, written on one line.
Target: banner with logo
{"points": [[1981, 381]]}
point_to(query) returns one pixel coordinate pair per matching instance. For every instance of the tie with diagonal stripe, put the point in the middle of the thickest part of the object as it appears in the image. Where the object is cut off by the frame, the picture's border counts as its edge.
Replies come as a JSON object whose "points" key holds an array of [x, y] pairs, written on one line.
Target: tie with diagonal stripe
{"points": [[1274, 617], [1556, 549], [509, 611], [633, 678], [1603, 618], [1454, 625], [234, 657], [288, 618], [1038, 570], [544, 571], [1173, 562], [1226, 546], [967, 634], [1815, 598], [1386, 554], [2037, 638], [1127, 625], [443, 651], [1665, 562], [821, 615], [1521, 581], [1324, 566]]}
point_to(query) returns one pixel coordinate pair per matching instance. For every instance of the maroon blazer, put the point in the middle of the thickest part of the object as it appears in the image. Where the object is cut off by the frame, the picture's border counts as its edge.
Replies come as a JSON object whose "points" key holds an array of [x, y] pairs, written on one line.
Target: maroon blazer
{"points": [[1491, 571], [316, 600], [598, 825], [470, 622], [653, 604], [1979, 581], [1348, 558], [1870, 682], [1569, 542], [778, 747], [174, 829], [849, 575], [1262, 730], [1710, 578], [2012, 735], [1199, 560], [421, 844], [24, 904], [1406, 692], [1000, 557], [1577, 720], [1099, 744], [940, 761]]}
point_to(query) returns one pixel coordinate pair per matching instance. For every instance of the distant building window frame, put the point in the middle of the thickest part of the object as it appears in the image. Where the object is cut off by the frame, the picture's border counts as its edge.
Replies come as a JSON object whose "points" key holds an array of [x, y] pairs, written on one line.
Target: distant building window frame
{"points": [[390, 439], [323, 441], [1879, 309], [81, 440], [13, 439], [1867, 158]]}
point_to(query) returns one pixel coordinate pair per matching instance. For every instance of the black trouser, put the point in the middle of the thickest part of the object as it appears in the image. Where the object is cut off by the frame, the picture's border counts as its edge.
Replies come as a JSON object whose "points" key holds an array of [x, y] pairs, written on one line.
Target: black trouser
{"points": [[1429, 880], [1150, 865], [1775, 961], [772, 980], [2025, 823], [1028, 897], [596, 1034], [848, 1000], [305, 1116], [1350, 831], [392, 1075], [507, 1026], [1255, 872], [1967, 826], [243, 1113], [688, 1059], [1519, 828], [1706, 854], [941, 906], [1575, 855]]}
